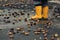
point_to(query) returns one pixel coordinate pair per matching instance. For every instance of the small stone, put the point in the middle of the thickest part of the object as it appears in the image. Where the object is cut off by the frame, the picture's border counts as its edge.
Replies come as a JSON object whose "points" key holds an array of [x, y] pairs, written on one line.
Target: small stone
{"points": [[10, 33], [13, 23], [26, 33], [43, 32], [36, 33], [29, 29], [34, 23], [18, 29], [22, 28], [23, 32], [56, 35], [11, 36], [45, 35], [45, 38], [22, 13], [38, 29], [52, 38], [46, 31], [19, 19], [12, 29], [25, 19]]}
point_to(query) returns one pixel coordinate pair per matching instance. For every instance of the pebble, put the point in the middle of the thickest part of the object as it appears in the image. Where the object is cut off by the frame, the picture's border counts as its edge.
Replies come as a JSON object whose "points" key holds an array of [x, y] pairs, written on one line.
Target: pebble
{"points": [[46, 31], [19, 19], [58, 38], [38, 29], [45, 38], [36, 33], [34, 23], [52, 38], [28, 24], [12, 29], [29, 29], [18, 29], [10, 33], [25, 20], [23, 32], [22, 28], [56, 35], [26, 33], [49, 23], [11, 36], [45, 35], [13, 23], [22, 13]]}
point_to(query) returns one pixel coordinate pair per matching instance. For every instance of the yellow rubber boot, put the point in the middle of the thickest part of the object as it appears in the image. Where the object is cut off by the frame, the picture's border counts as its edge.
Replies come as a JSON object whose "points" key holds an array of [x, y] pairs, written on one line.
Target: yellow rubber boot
{"points": [[45, 12], [38, 14]]}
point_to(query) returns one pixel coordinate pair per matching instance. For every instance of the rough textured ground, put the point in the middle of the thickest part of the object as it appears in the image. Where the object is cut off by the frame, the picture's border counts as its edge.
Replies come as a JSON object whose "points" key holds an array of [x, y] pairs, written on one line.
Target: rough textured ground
{"points": [[55, 27]]}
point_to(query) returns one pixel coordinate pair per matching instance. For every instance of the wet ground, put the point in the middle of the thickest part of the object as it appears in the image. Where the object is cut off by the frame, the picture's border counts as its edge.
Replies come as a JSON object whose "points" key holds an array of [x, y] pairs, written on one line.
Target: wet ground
{"points": [[16, 23]]}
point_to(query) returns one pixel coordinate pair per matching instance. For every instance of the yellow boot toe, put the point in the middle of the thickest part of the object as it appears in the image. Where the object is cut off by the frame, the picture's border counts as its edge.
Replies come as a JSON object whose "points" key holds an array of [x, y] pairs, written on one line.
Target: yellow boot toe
{"points": [[34, 17]]}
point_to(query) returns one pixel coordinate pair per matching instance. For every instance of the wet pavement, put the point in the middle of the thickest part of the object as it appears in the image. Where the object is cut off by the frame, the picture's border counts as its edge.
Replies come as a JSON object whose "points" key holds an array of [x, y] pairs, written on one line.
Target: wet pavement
{"points": [[30, 28]]}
